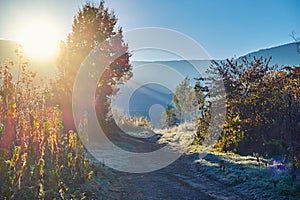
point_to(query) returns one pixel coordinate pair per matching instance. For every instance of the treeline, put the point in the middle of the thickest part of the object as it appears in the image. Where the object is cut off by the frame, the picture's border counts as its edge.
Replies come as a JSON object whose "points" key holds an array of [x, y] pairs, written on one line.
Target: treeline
{"points": [[263, 107]]}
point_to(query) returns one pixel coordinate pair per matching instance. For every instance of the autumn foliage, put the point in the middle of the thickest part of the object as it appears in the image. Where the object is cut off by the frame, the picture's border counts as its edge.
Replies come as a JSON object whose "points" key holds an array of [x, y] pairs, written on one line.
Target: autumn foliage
{"points": [[263, 103], [37, 160]]}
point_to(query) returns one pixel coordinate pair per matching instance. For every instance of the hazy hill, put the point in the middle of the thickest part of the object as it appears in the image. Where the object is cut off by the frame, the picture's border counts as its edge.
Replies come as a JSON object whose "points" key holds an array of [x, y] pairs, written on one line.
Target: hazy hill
{"points": [[7, 48], [153, 82], [43, 68], [146, 95], [286, 54], [282, 55]]}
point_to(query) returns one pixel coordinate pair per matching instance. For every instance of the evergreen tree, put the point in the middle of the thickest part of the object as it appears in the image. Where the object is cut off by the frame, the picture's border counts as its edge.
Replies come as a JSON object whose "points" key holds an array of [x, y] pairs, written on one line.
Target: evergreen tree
{"points": [[169, 116]]}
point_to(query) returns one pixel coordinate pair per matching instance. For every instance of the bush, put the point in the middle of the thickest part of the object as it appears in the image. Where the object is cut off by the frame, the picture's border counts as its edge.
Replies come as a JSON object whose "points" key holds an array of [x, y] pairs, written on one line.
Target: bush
{"points": [[37, 160]]}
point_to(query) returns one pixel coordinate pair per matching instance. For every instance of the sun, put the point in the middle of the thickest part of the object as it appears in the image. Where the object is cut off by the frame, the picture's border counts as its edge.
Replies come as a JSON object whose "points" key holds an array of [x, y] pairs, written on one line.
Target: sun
{"points": [[39, 38]]}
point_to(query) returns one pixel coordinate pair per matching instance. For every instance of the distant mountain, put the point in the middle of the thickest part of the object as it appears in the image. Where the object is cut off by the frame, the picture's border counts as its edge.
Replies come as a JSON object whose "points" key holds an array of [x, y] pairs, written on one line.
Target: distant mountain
{"points": [[172, 72], [146, 96], [282, 55], [7, 48], [154, 82], [43, 68], [287, 54]]}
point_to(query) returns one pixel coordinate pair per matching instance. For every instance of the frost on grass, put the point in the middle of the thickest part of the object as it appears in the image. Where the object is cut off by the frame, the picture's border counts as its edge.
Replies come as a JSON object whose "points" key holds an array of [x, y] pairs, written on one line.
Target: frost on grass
{"points": [[179, 137], [244, 173]]}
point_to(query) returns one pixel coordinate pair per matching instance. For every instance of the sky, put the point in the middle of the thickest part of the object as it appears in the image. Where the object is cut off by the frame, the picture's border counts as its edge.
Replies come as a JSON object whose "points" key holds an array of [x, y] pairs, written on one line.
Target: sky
{"points": [[224, 28]]}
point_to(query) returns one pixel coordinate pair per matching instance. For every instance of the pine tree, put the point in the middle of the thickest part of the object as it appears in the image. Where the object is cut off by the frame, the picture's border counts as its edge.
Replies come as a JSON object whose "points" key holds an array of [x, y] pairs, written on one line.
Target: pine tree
{"points": [[169, 116]]}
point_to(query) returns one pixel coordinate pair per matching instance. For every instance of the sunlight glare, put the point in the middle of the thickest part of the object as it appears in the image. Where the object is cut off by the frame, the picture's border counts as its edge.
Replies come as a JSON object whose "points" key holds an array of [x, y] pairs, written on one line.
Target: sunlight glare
{"points": [[39, 38]]}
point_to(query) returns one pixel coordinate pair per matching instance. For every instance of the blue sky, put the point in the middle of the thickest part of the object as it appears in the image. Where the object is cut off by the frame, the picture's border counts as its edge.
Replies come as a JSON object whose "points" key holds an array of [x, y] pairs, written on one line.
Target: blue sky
{"points": [[225, 28]]}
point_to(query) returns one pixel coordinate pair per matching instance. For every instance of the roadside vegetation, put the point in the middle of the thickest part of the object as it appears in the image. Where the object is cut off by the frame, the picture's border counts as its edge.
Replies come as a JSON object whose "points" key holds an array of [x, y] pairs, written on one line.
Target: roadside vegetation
{"points": [[38, 160], [258, 151], [267, 179], [41, 155]]}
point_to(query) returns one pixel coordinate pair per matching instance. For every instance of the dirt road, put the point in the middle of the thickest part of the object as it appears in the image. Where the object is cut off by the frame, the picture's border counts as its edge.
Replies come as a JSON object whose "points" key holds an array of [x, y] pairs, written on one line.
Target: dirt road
{"points": [[180, 180]]}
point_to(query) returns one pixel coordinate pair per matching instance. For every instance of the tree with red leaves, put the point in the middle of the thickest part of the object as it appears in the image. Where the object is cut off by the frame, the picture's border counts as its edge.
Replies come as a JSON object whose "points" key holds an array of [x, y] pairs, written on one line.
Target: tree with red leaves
{"points": [[91, 26]]}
